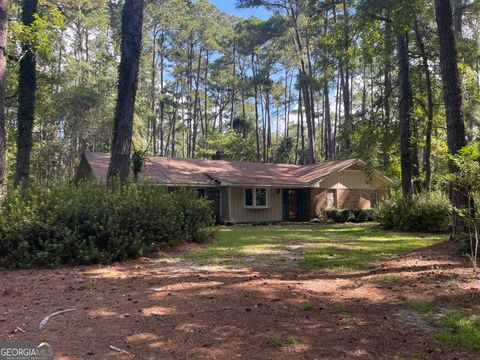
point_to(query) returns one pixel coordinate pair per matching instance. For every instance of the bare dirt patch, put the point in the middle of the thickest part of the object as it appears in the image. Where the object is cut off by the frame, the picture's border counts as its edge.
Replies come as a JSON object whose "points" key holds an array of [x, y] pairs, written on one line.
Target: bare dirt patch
{"points": [[157, 308]]}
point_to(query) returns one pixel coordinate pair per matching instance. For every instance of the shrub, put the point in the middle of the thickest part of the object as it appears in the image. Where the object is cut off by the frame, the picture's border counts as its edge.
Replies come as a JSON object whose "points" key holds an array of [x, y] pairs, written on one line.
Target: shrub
{"points": [[429, 211], [67, 224], [346, 215]]}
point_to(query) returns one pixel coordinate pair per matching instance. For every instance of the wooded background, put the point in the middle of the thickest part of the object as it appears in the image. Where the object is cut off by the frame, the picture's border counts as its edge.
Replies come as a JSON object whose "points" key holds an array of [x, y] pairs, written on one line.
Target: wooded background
{"points": [[318, 80]]}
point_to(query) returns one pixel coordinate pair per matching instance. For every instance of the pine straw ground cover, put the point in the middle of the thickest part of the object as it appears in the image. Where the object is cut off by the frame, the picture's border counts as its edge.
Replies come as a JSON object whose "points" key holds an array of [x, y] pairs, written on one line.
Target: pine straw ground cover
{"points": [[281, 292]]}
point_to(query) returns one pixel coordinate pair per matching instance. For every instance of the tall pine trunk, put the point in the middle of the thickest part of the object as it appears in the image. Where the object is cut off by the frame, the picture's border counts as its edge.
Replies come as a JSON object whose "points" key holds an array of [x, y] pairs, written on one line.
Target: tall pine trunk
{"points": [[328, 122], [3, 78], [162, 94], [404, 114], [456, 137], [345, 81], [255, 90], [427, 150], [153, 106], [27, 86], [387, 84], [132, 20]]}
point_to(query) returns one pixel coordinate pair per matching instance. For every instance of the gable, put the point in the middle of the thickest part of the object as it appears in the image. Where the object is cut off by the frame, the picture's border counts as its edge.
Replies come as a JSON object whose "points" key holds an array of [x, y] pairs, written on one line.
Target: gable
{"points": [[353, 179]]}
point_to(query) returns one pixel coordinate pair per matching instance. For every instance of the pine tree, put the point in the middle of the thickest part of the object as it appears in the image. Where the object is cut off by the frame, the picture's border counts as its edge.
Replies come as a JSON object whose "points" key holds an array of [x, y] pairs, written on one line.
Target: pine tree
{"points": [[132, 20], [456, 136], [3, 79], [27, 87]]}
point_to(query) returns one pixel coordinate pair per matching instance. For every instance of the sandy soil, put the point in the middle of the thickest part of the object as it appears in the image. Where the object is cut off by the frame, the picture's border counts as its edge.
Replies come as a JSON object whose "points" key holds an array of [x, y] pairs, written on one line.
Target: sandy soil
{"points": [[157, 309]]}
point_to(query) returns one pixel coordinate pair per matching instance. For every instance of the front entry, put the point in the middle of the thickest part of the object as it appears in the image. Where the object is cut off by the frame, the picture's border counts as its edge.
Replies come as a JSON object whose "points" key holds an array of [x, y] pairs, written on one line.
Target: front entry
{"points": [[293, 205]]}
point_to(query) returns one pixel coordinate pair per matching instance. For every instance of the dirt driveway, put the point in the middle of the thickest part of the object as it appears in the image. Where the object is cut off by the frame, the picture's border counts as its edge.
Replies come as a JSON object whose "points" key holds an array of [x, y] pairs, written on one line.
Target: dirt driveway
{"points": [[159, 309]]}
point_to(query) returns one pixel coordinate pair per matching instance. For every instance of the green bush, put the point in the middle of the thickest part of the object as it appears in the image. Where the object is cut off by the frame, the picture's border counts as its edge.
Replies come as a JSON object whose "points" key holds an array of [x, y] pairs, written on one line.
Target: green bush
{"points": [[346, 215], [67, 224], [429, 211]]}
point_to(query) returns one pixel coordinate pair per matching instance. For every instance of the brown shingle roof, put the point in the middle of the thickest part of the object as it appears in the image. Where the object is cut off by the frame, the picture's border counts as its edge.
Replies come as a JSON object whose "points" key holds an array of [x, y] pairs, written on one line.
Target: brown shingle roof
{"points": [[196, 172]]}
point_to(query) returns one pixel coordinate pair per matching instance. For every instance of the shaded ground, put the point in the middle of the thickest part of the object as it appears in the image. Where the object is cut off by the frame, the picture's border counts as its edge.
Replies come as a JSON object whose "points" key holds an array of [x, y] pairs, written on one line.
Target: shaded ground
{"points": [[177, 306]]}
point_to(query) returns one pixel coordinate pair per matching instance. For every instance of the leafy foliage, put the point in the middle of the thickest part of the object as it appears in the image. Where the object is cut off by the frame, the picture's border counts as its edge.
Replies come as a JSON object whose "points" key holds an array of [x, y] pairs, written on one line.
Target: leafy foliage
{"points": [[428, 211], [347, 215], [62, 223]]}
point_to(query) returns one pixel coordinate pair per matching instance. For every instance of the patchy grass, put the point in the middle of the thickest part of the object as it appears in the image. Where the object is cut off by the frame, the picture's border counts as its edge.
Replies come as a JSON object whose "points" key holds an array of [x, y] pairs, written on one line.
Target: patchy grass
{"points": [[276, 342], [348, 319], [388, 278], [287, 312], [307, 306], [340, 309], [422, 306], [336, 247], [461, 329]]}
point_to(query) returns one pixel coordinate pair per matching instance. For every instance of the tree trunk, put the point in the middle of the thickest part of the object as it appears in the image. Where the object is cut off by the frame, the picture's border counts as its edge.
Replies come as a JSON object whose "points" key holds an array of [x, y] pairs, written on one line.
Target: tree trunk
{"points": [[268, 119], [191, 56], [328, 122], [3, 78], [264, 127], [337, 114], [298, 127], [345, 81], [205, 99], [27, 86], [404, 115], [286, 103], [132, 20], [153, 94], [255, 90], [196, 105], [302, 127], [234, 73], [162, 94], [428, 84], [388, 94], [456, 137]]}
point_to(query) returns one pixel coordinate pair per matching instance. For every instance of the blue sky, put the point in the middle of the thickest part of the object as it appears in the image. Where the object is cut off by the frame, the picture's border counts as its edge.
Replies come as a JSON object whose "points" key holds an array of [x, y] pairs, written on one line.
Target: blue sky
{"points": [[229, 6]]}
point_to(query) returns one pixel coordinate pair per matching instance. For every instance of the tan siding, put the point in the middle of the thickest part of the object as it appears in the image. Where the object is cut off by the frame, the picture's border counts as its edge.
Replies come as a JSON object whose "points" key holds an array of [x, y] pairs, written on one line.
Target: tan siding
{"points": [[352, 179], [241, 215]]}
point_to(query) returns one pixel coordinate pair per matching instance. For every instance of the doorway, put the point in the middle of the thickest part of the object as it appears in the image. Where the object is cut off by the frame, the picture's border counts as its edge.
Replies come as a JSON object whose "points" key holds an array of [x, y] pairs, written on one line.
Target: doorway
{"points": [[293, 205]]}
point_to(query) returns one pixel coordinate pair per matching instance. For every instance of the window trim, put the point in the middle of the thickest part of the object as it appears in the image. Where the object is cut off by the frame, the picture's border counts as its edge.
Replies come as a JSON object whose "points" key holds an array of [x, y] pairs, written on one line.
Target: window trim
{"points": [[254, 194]]}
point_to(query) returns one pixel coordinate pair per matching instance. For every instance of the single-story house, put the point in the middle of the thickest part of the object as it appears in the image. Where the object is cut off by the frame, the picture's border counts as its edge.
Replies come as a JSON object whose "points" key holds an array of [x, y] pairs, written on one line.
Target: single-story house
{"points": [[257, 192]]}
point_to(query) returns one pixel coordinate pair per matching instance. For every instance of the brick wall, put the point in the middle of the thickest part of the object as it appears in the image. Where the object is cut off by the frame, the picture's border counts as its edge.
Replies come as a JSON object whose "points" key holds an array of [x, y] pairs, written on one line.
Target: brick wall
{"points": [[353, 199], [318, 201], [346, 199]]}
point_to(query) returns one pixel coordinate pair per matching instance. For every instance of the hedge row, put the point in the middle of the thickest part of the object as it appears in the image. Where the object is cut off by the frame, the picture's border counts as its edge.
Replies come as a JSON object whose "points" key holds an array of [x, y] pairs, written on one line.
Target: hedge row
{"points": [[428, 211], [346, 215], [68, 224]]}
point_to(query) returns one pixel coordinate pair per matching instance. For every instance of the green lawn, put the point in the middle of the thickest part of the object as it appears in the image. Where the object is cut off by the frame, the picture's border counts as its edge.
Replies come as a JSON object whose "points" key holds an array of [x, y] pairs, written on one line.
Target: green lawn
{"points": [[346, 246]]}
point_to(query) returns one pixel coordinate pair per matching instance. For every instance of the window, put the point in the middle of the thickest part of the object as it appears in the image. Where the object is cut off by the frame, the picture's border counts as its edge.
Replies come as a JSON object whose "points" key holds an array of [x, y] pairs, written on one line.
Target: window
{"points": [[331, 199], [261, 197], [256, 198], [373, 200], [248, 197], [202, 193]]}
